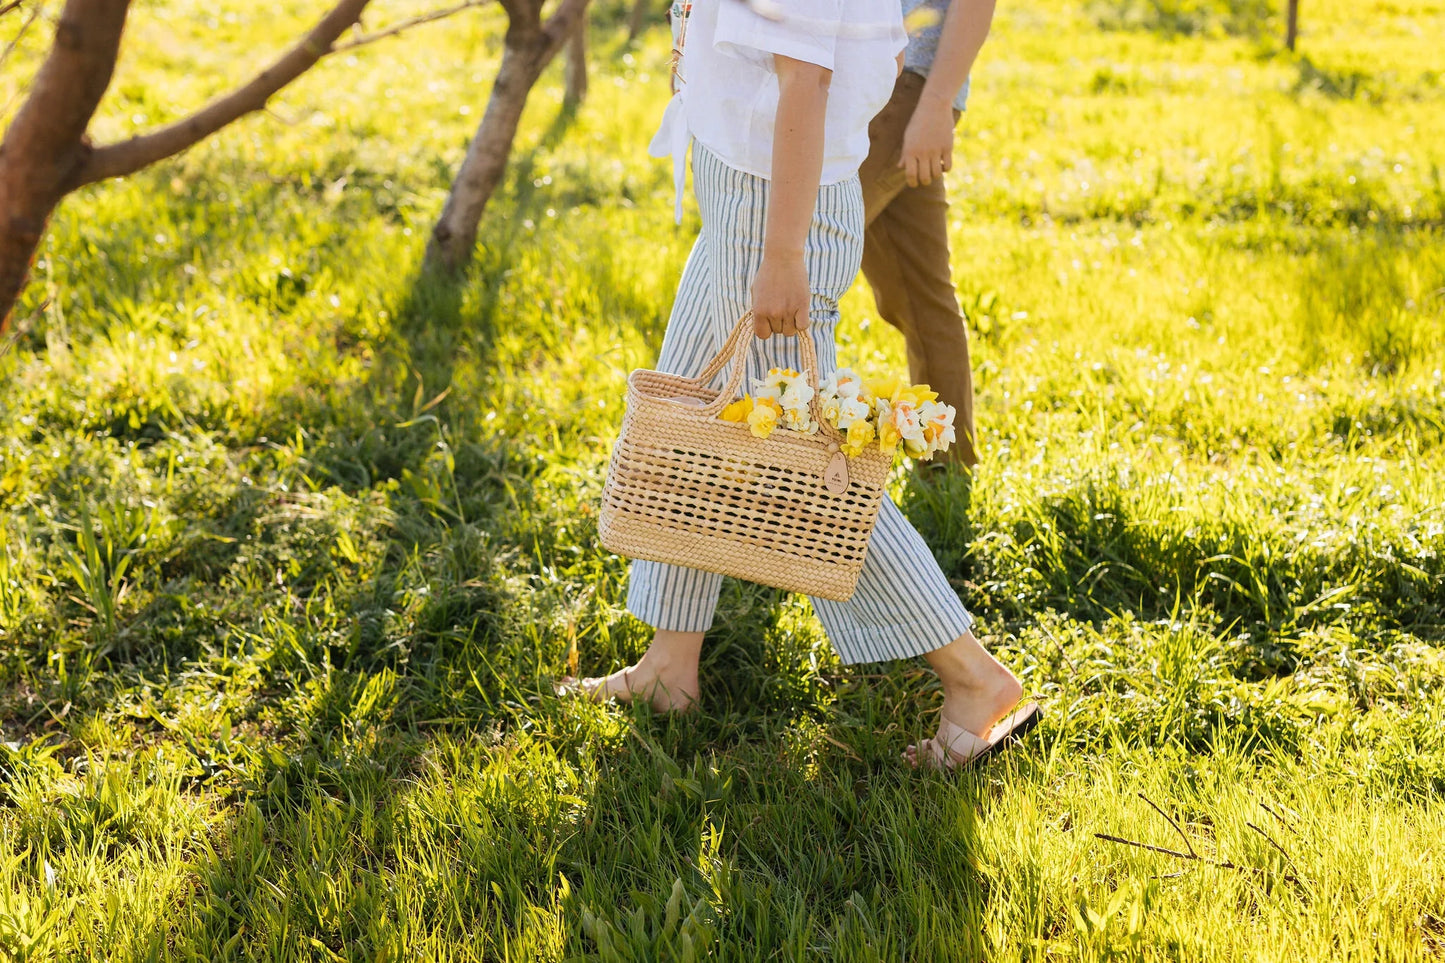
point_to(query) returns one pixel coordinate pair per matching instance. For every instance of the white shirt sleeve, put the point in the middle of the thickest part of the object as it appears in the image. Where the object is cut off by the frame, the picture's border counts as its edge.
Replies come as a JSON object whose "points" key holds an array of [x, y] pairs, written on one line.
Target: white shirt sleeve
{"points": [[805, 30]]}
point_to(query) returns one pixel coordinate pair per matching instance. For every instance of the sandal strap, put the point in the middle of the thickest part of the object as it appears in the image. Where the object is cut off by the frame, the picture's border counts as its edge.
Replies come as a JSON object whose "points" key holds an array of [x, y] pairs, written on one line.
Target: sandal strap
{"points": [[960, 746]]}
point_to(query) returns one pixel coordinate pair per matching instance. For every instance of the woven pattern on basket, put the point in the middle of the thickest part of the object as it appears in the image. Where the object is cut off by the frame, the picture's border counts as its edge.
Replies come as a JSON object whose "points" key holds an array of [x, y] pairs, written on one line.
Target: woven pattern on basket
{"points": [[687, 488]]}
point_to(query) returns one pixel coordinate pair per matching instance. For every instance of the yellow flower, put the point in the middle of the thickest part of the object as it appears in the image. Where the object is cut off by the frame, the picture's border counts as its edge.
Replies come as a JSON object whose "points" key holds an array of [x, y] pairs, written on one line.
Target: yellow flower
{"points": [[888, 437], [764, 417], [897, 391], [888, 433], [739, 410], [860, 433], [885, 388], [917, 395]]}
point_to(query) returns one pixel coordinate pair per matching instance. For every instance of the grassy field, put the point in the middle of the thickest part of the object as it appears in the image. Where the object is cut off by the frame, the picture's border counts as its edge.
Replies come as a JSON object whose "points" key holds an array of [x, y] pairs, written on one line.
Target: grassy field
{"points": [[293, 542]]}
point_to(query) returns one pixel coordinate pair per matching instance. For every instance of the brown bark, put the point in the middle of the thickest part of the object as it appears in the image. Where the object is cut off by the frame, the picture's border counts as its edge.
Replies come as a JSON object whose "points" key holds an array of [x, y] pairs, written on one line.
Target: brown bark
{"points": [[1292, 28], [575, 88], [45, 143], [529, 46]]}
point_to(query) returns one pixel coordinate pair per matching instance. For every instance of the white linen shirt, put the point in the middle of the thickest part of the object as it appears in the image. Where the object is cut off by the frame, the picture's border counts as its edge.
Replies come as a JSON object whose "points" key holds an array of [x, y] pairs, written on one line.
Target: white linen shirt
{"points": [[728, 88]]}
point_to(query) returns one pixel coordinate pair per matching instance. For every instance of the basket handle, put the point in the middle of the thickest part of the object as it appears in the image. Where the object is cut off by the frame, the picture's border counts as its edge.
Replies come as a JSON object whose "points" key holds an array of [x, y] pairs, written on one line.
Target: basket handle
{"points": [[735, 349]]}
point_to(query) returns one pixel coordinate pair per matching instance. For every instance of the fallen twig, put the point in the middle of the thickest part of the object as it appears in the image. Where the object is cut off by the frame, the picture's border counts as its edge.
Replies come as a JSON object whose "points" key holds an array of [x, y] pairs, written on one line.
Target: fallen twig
{"points": [[1138, 845], [1270, 839], [1187, 845], [1278, 818], [1217, 864], [1193, 856]]}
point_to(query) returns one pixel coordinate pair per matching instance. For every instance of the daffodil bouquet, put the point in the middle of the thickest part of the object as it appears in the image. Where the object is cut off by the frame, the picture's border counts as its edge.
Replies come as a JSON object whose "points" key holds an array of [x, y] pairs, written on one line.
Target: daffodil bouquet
{"points": [[890, 412]]}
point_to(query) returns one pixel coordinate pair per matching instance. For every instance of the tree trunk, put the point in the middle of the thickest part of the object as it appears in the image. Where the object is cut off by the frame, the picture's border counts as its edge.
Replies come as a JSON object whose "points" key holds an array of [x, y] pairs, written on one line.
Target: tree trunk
{"points": [[638, 21], [46, 145], [1292, 29], [528, 48], [576, 81]]}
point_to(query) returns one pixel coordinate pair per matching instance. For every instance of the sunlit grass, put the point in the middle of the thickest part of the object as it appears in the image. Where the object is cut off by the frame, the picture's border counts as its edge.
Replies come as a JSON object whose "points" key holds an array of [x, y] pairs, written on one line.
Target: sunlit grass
{"points": [[293, 542]]}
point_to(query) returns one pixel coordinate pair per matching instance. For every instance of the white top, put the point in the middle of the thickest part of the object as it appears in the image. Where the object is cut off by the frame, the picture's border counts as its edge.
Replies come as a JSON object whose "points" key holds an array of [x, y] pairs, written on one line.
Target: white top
{"points": [[728, 88]]}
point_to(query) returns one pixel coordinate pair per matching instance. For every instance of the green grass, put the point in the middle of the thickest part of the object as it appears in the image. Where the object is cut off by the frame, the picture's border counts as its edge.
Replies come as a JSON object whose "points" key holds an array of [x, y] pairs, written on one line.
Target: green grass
{"points": [[293, 543]]}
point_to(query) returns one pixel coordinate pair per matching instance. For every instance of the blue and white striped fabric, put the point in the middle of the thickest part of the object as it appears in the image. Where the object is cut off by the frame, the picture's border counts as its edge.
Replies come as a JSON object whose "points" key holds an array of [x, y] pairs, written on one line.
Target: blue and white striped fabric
{"points": [[903, 605]]}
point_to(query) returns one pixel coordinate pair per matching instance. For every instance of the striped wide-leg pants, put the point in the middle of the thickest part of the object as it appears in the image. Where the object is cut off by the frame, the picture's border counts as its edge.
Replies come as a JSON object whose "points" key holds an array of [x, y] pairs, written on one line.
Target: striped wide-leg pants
{"points": [[903, 605]]}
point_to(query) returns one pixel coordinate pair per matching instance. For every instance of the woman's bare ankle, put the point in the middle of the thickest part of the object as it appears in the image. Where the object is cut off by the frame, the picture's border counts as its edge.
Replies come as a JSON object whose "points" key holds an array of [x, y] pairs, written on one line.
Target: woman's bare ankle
{"points": [[978, 690]]}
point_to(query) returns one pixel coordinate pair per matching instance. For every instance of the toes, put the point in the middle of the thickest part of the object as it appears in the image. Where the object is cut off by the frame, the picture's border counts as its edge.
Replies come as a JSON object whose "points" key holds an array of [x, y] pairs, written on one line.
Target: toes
{"points": [[596, 689], [928, 754]]}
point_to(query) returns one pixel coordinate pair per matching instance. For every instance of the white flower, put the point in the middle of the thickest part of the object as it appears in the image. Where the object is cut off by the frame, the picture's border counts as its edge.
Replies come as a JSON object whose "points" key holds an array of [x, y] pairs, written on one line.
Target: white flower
{"points": [[910, 430], [851, 410], [799, 420], [796, 395], [938, 427], [846, 383], [831, 407]]}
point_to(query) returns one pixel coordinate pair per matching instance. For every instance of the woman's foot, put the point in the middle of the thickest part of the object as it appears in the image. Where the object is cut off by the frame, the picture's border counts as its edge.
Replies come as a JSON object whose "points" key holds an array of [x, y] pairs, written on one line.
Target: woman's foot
{"points": [[665, 693], [665, 676], [978, 692]]}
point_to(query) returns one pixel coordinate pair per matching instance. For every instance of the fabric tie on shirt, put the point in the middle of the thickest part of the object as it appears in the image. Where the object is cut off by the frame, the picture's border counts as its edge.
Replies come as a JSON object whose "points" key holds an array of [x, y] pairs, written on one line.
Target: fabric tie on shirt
{"points": [[673, 138]]}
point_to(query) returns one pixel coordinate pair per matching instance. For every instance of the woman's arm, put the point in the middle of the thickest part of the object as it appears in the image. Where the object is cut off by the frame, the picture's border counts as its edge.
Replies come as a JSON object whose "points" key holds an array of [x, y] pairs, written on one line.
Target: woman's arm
{"points": [[928, 139], [780, 291]]}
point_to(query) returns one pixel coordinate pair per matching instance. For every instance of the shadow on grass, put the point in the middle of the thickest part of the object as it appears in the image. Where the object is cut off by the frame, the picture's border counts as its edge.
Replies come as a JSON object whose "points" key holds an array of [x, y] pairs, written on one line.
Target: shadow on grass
{"points": [[377, 847]]}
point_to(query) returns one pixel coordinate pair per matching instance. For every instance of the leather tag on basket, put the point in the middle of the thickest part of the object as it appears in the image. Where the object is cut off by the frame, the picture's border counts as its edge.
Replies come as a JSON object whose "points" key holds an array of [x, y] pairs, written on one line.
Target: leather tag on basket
{"points": [[835, 478]]}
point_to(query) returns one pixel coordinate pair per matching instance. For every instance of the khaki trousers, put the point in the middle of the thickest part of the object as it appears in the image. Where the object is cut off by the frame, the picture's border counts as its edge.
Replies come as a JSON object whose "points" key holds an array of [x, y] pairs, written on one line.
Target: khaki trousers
{"points": [[905, 259]]}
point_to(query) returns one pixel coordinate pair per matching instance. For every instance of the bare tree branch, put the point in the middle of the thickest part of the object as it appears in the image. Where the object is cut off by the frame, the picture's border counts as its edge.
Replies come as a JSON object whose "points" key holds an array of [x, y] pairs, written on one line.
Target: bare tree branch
{"points": [[12, 5], [407, 24], [1137, 845], [45, 153], [129, 156]]}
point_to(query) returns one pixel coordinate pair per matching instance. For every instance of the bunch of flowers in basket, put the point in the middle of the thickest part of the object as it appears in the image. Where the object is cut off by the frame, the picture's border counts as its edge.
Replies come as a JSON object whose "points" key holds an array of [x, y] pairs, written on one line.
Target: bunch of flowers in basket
{"points": [[891, 412]]}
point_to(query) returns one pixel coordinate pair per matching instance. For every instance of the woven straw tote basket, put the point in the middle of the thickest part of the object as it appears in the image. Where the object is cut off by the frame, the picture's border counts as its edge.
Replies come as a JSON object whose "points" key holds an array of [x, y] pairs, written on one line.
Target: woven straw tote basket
{"points": [[687, 488]]}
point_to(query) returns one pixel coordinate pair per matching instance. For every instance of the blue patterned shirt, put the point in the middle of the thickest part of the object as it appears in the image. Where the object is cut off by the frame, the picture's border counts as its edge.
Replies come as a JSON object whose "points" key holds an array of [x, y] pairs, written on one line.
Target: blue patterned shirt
{"points": [[923, 44]]}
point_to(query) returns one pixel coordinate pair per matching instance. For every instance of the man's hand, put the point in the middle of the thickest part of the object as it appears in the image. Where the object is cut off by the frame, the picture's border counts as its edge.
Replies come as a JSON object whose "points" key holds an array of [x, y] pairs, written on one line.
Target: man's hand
{"points": [[780, 295], [928, 140]]}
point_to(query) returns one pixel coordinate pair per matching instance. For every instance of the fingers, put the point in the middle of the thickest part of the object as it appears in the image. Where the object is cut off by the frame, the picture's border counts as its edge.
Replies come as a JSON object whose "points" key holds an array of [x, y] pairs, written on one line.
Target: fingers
{"points": [[766, 324], [924, 170], [910, 170]]}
